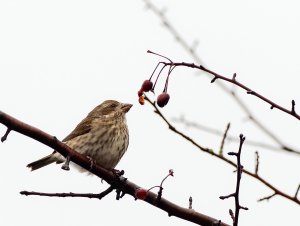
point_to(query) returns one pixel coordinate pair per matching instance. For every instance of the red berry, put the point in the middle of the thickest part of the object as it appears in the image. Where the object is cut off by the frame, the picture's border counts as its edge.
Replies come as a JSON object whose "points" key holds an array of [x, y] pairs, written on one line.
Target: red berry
{"points": [[140, 93], [147, 85], [141, 193], [141, 100], [163, 99]]}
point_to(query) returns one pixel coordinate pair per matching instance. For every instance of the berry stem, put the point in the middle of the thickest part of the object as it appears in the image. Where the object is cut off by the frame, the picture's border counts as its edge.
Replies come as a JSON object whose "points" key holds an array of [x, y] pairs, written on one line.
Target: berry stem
{"points": [[154, 70], [149, 51], [172, 67], [158, 76]]}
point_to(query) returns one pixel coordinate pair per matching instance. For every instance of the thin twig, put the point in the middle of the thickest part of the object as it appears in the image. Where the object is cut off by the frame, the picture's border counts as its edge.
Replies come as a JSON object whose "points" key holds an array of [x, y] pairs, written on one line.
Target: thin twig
{"points": [[223, 139], [71, 194], [236, 194], [256, 162], [4, 137], [297, 191], [217, 132], [267, 198], [210, 151], [190, 202]]}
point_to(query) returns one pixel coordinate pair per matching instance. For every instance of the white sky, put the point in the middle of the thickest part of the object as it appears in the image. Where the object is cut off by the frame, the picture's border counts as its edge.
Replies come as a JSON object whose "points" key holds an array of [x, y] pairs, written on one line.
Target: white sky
{"points": [[59, 59]]}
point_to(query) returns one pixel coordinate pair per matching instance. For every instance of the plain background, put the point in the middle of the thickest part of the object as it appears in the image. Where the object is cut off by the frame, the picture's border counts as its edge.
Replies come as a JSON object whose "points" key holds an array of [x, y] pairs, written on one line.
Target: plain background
{"points": [[59, 59]]}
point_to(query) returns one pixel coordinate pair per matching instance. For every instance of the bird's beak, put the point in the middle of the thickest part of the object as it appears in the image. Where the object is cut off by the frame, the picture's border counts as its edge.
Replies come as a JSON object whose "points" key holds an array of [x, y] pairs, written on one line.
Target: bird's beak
{"points": [[126, 107]]}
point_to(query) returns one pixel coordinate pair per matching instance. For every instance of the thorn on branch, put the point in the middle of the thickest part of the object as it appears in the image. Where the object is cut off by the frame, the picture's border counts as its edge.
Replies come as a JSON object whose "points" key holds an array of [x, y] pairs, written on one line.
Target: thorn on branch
{"points": [[267, 198], [159, 194], [297, 192], [272, 106], [293, 107], [214, 79], [256, 163], [190, 202], [231, 214], [251, 92], [244, 208], [227, 196], [5, 135], [66, 165], [234, 77]]}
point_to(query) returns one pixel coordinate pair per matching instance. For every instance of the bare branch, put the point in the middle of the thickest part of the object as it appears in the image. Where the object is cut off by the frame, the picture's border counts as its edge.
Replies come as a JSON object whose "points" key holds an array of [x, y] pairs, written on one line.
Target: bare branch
{"points": [[124, 186], [71, 194], [235, 82], [256, 162], [217, 132], [210, 151], [236, 194], [223, 139], [297, 191], [267, 198], [190, 49]]}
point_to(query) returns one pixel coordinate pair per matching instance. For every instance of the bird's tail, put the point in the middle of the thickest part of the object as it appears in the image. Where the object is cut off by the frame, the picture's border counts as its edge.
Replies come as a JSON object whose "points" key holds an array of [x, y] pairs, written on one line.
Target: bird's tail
{"points": [[42, 162]]}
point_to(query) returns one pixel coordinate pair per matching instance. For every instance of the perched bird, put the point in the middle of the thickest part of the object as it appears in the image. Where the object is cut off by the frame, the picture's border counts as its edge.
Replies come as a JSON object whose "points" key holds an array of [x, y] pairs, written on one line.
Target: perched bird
{"points": [[102, 136]]}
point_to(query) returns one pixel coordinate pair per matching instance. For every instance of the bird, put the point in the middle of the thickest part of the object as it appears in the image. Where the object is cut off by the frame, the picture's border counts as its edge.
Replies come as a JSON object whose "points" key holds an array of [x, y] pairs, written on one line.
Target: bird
{"points": [[102, 136]]}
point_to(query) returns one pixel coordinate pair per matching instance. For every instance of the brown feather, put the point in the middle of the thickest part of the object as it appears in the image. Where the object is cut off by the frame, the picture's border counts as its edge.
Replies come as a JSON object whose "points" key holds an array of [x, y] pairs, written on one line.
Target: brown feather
{"points": [[83, 127]]}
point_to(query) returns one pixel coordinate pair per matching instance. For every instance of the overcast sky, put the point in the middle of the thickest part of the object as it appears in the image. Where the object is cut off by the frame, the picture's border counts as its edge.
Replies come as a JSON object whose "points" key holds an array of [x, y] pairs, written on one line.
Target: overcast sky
{"points": [[59, 59]]}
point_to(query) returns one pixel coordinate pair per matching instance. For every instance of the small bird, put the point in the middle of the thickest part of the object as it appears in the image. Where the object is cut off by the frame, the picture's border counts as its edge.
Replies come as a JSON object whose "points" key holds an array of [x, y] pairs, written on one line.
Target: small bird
{"points": [[102, 136]]}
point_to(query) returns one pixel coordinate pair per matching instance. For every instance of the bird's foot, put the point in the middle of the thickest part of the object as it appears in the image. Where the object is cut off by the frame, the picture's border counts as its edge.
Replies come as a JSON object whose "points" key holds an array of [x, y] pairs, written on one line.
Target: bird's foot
{"points": [[121, 181], [66, 165], [118, 173], [92, 162]]}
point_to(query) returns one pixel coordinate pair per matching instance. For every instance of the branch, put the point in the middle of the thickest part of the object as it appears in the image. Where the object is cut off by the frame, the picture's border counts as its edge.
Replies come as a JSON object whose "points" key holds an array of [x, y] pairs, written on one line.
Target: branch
{"points": [[256, 162], [71, 194], [239, 171], [267, 198], [191, 50], [234, 81], [125, 186], [210, 151], [217, 132], [223, 139]]}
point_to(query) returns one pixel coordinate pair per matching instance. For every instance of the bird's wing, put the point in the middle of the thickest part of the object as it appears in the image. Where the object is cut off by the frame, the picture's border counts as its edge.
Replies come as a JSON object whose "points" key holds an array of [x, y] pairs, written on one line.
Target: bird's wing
{"points": [[82, 128]]}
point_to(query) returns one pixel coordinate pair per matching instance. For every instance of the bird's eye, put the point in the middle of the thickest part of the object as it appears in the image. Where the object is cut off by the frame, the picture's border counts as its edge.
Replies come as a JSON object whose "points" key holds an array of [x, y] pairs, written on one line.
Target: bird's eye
{"points": [[113, 105]]}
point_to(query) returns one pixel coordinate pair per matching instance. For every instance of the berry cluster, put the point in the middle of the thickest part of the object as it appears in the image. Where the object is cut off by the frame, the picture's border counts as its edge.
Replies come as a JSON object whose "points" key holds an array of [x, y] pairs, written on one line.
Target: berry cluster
{"points": [[147, 86], [164, 97]]}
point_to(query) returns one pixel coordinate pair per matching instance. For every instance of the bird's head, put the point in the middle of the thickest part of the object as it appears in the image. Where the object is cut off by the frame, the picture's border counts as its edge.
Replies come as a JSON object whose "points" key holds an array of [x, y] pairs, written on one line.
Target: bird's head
{"points": [[110, 108]]}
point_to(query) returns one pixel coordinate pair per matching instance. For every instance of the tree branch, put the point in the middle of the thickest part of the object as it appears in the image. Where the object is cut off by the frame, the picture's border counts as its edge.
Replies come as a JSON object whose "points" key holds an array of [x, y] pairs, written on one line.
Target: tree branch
{"points": [[217, 132], [236, 194], [191, 50], [210, 151], [232, 80], [125, 185], [71, 194]]}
